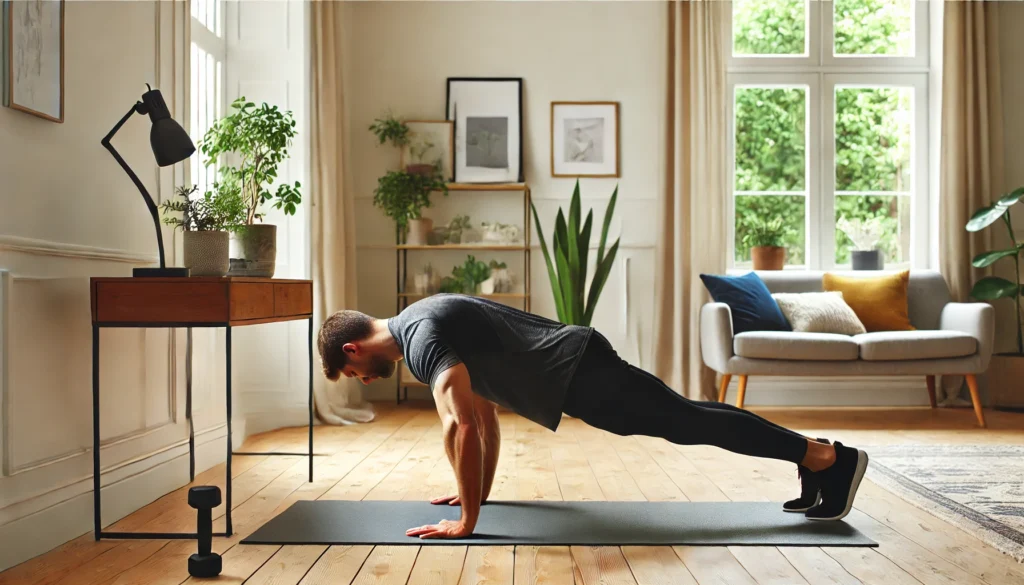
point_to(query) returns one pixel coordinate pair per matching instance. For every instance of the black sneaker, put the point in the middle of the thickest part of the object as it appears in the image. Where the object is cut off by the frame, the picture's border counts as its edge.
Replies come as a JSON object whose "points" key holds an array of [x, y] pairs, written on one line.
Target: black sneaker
{"points": [[839, 484], [810, 494]]}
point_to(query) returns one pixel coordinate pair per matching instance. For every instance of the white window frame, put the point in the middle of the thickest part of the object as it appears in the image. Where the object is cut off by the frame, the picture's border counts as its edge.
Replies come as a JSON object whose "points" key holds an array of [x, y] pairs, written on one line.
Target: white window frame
{"points": [[213, 42], [821, 71]]}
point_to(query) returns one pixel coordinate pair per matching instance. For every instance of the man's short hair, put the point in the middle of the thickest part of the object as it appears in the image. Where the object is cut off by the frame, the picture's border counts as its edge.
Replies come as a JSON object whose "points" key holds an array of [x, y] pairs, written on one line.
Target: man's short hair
{"points": [[341, 328]]}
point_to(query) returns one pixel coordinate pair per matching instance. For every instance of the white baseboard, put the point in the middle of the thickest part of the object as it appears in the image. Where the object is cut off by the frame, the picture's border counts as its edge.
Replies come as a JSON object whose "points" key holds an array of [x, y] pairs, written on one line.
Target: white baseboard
{"points": [[138, 484]]}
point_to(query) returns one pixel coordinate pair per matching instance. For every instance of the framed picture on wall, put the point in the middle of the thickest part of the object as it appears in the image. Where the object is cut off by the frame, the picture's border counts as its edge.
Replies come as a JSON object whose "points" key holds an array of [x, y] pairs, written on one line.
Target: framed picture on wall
{"points": [[34, 58], [431, 146], [487, 112], [584, 139]]}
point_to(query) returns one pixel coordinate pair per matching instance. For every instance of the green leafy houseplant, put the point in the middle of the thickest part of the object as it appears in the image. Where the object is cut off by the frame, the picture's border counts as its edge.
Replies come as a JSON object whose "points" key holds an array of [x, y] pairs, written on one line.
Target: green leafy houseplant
{"points": [[258, 138], [766, 234], [466, 278], [206, 213], [568, 271], [991, 288], [402, 196], [390, 129]]}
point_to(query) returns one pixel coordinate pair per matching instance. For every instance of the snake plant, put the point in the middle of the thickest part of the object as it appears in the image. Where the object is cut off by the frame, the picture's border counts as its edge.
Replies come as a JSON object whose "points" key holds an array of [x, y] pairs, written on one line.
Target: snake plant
{"points": [[568, 272]]}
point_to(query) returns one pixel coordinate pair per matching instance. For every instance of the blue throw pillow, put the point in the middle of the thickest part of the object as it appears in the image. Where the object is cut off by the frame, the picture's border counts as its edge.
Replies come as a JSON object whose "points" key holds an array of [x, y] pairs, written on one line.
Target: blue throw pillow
{"points": [[749, 300]]}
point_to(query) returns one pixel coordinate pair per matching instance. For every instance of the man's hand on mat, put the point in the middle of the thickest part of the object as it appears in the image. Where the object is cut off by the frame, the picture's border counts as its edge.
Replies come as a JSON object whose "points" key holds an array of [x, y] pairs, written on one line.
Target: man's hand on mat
{"points": [[446, 529]]}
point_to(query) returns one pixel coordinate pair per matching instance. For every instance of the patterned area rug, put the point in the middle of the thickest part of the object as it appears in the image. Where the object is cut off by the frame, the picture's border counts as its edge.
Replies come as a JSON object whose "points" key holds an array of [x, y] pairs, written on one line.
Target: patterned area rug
{"points": [[979, 488]]}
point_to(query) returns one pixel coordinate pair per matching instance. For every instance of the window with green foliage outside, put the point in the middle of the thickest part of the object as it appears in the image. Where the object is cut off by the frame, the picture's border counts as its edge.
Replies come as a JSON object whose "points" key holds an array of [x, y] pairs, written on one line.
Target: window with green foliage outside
{"points": [[871, 136]]}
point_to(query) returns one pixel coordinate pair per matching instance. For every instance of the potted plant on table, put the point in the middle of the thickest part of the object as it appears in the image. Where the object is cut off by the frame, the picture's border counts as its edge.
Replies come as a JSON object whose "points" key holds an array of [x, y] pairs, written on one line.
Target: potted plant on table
{"points": [[1006, 370], [568, 272], [765, 240], [205, 222], [256, 139], [865, 235]]}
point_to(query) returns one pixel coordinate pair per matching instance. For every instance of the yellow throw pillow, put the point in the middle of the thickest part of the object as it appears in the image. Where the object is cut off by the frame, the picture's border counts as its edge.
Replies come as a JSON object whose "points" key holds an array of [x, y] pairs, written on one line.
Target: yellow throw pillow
{"points": [[880, 302]]}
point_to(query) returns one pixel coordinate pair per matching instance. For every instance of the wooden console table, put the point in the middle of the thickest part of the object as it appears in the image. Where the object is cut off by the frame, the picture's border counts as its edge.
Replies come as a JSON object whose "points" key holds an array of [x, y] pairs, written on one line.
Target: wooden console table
{"points": [[193, 302]]}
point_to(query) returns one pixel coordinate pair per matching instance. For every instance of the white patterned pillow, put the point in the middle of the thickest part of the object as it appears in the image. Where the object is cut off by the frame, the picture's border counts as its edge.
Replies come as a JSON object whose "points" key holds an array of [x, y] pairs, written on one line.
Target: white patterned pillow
{"points": [[819, 312]]}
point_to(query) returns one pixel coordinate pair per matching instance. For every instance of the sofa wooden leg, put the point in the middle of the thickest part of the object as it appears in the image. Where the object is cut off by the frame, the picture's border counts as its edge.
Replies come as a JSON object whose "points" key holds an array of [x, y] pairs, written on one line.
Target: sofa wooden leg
{"points": [[931, 389], [723, 387], [972, 383], [742, 392]]}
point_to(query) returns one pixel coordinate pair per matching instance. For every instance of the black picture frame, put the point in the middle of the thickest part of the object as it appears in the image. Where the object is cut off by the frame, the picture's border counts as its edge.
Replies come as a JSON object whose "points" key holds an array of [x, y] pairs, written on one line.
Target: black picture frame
{"points": [[454, 118]]}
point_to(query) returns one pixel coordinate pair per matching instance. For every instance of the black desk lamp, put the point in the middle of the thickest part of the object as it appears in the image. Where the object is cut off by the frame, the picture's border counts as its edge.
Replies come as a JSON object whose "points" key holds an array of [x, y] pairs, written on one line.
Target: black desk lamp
{"points": [[171, 145]]}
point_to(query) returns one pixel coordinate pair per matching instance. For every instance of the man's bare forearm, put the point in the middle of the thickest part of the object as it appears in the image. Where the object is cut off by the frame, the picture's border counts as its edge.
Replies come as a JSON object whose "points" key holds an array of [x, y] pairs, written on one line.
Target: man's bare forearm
{"points": [[465, 452], [490, 436]]}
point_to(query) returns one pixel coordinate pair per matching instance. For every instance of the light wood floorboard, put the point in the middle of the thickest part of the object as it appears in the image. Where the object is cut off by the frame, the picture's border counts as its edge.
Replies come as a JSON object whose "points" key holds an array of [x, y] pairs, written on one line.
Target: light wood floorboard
{"points": [[400, 457]]}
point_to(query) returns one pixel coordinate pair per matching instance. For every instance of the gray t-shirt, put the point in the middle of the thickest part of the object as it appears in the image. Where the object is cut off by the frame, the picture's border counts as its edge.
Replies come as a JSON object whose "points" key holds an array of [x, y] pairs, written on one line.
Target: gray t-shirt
{"points": [[521, 361]]}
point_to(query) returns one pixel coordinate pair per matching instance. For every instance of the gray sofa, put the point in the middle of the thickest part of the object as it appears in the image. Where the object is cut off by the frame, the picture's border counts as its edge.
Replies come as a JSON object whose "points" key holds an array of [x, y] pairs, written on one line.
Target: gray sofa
{"points": [[951, 339]]}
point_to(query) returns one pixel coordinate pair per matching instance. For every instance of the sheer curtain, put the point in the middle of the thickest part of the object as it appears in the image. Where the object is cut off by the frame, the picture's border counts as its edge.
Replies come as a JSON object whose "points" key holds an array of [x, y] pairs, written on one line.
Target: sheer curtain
{"points": [[692, 234], [332, 208]]}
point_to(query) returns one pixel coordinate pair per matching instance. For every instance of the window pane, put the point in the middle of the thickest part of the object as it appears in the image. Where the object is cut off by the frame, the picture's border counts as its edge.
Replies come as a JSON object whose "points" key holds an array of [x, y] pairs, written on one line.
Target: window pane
{"points": [[771, 138], [873, 27], [875, 222], [873, 138], [752, 210], [769, 27]]}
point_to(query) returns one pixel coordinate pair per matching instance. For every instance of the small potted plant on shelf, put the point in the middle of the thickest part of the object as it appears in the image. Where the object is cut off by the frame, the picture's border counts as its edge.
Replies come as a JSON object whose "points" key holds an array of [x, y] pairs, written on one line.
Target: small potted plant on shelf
{"points": [[1006, 370], [466, 279], [500, 281], [865, 235], [390, 129], [765, 240], [402, 196], [257, 140], [205, 221]]}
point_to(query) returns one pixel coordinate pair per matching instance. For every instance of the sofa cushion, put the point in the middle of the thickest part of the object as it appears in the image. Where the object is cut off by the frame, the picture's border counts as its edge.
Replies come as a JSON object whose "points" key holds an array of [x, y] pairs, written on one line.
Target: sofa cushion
{"points": [[880, 302], [915, 345], [791, 345], [824, 312], [751, 305]]}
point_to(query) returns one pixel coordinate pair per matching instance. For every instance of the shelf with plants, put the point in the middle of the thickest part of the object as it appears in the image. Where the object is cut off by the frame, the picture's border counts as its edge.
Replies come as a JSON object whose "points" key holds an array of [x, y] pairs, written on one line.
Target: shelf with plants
{"points": [[404, 194]]}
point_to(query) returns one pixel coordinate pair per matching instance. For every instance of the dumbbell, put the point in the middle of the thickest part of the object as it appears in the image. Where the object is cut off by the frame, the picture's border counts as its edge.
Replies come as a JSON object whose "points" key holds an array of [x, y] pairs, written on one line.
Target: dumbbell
{"points": [[206, 563]]}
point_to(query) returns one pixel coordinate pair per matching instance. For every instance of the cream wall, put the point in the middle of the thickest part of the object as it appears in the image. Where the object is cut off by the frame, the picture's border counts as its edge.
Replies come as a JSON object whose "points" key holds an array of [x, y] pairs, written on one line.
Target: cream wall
{"points": [[398, 56], [69, 213], [1011, 52]]}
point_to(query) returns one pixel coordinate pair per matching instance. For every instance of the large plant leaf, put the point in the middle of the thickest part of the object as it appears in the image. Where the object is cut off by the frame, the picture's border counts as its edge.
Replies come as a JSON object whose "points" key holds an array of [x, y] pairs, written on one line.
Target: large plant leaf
{"points": [[990, 258], [991, 288], [601, 273], [985, 217], [608, 212], [573, 250], [1011, 198], [583, 244], [552, 276], [571, 317]]}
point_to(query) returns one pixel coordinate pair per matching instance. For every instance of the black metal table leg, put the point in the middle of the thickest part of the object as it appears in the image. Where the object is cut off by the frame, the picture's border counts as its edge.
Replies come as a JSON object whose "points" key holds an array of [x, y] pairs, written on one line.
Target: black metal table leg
{"points": [[96, 430], [227, 498], [309, 341], [188, 408]]}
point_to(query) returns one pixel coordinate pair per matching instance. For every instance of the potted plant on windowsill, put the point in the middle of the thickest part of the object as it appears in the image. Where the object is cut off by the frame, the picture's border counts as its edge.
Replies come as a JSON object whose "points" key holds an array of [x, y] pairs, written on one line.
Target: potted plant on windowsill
{"points": [[1006, 370], [205, 222], [765, 240], [865, 235], [256, 139]]}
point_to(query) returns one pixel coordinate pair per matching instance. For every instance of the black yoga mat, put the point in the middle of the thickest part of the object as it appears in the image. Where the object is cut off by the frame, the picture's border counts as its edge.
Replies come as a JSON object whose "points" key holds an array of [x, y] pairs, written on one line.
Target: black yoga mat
{"points": [[327, 522]]}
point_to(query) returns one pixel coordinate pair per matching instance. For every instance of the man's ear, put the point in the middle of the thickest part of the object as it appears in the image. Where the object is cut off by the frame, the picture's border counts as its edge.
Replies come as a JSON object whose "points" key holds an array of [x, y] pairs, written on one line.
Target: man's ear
{"points": [[350, 348]]}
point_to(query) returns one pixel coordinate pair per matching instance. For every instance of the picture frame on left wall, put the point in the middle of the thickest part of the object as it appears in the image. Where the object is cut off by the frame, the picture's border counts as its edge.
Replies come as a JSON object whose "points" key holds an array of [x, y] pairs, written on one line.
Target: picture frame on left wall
{"points": [[34, 57], [488, 117]]}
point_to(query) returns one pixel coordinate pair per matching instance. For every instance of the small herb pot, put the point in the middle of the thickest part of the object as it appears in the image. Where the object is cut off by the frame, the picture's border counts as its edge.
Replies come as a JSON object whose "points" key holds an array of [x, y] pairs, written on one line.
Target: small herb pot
{"points": [[419, 231], [867, 259], [768, 257], [255, 251], [206, 253]]}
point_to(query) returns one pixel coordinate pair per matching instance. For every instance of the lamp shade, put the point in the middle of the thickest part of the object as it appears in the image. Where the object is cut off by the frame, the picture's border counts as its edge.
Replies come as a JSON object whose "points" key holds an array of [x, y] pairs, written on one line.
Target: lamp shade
{"points": [[171, 144]]}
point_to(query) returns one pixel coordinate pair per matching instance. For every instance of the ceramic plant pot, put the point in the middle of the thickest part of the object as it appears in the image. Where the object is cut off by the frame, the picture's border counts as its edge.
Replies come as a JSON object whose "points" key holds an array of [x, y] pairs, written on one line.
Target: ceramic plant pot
{"points": [[419, 231], [867, 259], [768, 257], [206, 253], [255, 251]]}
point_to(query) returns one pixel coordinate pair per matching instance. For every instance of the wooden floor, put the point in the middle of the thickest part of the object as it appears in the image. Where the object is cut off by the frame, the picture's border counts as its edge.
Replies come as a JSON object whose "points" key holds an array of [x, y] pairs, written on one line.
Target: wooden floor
{"points": [[400, 456]]}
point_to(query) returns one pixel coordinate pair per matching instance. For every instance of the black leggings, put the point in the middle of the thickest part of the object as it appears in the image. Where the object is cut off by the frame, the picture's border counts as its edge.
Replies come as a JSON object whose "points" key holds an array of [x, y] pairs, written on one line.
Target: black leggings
{"points": [[608, 393]]}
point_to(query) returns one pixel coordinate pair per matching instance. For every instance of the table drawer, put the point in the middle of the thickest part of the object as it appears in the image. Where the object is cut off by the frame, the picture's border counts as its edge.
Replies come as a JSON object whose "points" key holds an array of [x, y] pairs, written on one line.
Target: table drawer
{"points": [[252, 300], [156, 302], [293, 299]]}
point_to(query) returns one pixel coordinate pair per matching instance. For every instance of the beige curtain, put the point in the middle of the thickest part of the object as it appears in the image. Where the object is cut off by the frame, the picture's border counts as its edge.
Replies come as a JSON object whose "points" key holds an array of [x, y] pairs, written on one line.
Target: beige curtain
{"points": [[972, 136], [692, 234], [332, 210]]}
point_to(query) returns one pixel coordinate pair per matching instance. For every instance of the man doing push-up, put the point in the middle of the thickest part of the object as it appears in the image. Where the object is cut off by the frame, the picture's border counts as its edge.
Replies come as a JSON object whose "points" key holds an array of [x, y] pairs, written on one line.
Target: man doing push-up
{"points": [[476, 354]]}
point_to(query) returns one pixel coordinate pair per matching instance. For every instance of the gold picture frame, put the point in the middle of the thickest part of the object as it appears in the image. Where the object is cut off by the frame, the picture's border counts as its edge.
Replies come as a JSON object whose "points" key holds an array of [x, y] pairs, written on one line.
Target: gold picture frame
{"points": [[585, 139]]}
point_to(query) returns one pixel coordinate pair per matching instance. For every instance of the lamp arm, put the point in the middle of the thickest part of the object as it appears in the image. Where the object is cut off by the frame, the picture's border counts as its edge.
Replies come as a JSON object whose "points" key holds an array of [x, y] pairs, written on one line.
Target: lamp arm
{"points": [[137, 108]]}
